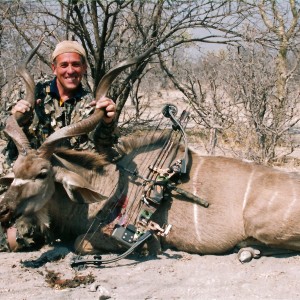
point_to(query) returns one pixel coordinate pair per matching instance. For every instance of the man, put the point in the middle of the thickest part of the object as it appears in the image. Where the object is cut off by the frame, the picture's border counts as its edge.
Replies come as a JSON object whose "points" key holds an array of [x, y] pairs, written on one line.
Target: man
{"points": [[60, 102], [64, 100]]}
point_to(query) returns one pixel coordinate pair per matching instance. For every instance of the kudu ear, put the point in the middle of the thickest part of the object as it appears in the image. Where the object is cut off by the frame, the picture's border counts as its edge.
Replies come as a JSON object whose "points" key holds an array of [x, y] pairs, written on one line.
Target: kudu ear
{"points": [[77, 188], [7, 179]]}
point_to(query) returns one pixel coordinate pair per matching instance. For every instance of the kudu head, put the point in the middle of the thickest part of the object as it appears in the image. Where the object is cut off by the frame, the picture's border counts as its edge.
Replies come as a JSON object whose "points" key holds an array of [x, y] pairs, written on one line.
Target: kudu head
{"points": [[32, 183]]}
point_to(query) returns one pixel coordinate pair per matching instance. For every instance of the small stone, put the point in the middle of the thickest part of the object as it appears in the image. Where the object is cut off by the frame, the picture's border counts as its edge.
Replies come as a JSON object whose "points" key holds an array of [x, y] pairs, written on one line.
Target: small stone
{"points": [[245, 256], [103, 293], [94, 287]]}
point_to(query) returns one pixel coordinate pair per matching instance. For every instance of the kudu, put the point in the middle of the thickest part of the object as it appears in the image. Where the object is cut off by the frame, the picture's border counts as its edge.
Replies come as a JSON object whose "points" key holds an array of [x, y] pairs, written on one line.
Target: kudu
{"points": [[249, 204]]}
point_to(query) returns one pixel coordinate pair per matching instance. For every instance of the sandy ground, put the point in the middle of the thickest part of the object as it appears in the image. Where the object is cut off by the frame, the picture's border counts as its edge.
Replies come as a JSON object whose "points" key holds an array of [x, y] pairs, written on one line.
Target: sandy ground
{"points": [[173, 275]]}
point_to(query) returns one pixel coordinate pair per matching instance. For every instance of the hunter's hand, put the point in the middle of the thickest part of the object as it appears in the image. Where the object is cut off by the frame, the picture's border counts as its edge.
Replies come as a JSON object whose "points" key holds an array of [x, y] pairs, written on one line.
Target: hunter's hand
{"points": [[108, 105], [22, 106]]}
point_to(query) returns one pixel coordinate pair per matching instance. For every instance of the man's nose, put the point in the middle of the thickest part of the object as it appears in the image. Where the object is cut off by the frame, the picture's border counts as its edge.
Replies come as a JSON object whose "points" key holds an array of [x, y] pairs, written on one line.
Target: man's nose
{"points": [[70, 69]]}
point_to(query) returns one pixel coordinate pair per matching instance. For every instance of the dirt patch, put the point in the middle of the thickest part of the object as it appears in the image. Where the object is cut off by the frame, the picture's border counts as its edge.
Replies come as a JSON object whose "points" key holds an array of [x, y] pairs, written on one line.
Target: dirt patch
{"points": [[172, 275]]}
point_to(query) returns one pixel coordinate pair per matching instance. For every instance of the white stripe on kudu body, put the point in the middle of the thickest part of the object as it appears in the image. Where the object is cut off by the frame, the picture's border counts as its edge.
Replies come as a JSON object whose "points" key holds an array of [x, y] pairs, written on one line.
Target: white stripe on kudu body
{"points": [[290, 205], [195, 183], [272, 201], [248, 189]]}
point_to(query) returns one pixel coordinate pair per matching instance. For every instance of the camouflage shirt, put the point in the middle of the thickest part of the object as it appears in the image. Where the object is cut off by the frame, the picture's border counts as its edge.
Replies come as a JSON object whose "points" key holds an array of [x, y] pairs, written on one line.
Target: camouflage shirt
{"points": [[51, 114]]}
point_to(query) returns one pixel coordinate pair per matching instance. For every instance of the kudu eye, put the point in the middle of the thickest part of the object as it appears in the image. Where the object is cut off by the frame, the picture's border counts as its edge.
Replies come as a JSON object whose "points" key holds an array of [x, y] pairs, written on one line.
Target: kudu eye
{"points": [[43, 174]]}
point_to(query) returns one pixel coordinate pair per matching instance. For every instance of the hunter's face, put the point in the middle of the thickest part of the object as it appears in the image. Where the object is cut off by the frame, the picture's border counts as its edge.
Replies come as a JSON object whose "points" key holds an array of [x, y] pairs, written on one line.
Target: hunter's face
{"points": [[69, 69]]}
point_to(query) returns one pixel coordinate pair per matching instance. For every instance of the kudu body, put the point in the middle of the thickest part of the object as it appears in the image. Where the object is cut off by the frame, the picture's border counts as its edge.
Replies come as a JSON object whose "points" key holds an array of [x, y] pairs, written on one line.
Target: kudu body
{"points": [[249, 204]]}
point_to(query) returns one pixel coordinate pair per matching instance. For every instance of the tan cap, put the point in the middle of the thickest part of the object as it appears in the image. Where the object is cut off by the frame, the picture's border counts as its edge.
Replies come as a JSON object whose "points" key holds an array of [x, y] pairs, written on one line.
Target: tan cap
{"points": [[68, 47]]}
